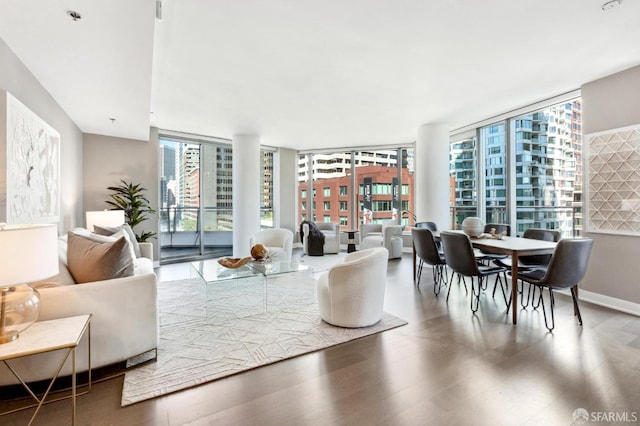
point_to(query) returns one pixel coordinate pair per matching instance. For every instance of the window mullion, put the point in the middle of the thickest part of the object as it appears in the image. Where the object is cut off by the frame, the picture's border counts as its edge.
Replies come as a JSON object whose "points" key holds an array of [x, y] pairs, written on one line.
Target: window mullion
{"points": [[481, 177], [511, 176]]}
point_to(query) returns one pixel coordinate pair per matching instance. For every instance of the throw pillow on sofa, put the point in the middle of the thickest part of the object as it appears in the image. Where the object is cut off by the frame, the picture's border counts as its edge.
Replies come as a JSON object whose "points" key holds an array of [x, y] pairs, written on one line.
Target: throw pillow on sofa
{"points": [[107, 239], [109, 230], [89, 260]]}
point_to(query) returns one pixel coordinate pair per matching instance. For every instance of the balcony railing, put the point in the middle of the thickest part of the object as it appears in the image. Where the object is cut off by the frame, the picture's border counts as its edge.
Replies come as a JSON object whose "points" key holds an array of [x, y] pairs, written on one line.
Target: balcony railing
{"points": [[187, 219], [564, 219], [181, 226]]}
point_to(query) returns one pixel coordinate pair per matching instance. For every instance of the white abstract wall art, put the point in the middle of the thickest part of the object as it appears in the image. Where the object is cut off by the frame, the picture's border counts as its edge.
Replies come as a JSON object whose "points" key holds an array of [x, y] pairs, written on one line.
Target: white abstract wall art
{"points": [[32, 166], [613, 189]]}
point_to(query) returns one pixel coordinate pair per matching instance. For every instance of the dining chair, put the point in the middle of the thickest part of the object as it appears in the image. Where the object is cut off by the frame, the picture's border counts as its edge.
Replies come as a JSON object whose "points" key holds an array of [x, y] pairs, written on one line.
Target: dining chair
{"points": [[566, 269], [497, 228], [538, 261], [427, 252], [429, 225], [459, 256], [433, 227]]}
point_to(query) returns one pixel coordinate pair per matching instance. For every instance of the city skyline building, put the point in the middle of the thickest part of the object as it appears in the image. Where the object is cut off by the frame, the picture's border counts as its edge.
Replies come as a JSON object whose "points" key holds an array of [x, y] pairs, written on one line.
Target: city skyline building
{"points": [[548, 169], [383, 193]]}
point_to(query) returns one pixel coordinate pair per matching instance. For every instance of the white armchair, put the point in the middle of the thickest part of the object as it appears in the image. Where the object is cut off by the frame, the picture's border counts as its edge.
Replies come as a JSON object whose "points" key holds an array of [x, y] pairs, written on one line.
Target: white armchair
{"points": [[331, 233], [278, 242], [382, 235], [351, 293]]}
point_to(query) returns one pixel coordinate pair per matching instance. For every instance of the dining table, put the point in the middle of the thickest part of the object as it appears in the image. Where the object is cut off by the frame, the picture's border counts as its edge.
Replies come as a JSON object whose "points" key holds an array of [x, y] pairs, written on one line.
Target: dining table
{"points": [[510, 246]]}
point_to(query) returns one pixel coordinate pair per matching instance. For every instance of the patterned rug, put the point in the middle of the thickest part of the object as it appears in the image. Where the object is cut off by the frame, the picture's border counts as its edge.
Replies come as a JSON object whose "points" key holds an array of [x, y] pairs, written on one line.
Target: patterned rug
{"points": [[212, 331]]}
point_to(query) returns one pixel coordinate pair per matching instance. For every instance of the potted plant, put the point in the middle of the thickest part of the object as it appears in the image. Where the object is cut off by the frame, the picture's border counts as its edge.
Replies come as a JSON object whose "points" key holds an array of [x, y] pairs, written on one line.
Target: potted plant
{"points": [[132, 199]]}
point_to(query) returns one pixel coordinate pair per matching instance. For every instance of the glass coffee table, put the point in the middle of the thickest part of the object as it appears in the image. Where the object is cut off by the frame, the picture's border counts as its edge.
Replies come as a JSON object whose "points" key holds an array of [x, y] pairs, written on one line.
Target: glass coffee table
{"points": [[211, 271], [247, 286]]}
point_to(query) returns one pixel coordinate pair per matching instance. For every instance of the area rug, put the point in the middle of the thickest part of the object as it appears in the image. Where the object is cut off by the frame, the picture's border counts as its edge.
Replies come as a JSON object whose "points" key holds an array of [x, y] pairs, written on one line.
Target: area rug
{"points": [[210, 331], [322, 263]]}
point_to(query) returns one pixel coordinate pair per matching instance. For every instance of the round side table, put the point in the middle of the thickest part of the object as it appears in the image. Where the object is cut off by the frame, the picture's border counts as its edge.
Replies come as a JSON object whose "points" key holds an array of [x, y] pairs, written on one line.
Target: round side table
{"points": [[351, 243]]}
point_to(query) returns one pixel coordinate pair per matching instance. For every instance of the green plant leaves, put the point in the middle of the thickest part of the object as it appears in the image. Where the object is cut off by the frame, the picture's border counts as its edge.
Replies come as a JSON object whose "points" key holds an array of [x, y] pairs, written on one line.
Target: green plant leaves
{"points": [[132, 199]]}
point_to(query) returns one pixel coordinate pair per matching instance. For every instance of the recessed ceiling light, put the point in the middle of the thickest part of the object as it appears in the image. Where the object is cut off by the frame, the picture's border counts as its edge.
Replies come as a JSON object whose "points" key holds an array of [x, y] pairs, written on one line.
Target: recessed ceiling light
{"points": [[74, 15], [611, 4]]}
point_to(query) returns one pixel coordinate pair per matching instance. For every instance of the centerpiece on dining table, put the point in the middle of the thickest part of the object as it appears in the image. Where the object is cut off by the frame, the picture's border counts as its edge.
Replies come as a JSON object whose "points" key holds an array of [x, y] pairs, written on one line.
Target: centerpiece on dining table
{"points": [[474, 227]]}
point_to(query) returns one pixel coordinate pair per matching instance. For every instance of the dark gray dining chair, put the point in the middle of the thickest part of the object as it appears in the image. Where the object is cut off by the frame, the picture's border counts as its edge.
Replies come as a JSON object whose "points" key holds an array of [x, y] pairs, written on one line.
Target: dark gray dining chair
{"points": [[538, 261], [459, 255], [566, 269], [498, 228], [429, 225], [427, 252]]}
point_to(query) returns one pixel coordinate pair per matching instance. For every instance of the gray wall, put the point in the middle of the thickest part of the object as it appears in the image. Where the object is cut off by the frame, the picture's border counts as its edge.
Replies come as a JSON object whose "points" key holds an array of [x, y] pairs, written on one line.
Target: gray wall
{"points": [[610, 103], [109, 159], [16, 79]]}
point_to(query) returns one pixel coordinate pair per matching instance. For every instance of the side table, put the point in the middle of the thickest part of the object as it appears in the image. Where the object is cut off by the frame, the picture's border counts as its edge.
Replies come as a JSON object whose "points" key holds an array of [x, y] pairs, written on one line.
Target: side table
{"points": [[351, 243], [47, 336]]}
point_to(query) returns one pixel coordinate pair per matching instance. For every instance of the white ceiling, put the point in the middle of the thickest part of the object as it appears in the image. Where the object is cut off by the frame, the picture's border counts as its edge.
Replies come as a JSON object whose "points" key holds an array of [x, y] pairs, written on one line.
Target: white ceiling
{"points": [[305, 74]]}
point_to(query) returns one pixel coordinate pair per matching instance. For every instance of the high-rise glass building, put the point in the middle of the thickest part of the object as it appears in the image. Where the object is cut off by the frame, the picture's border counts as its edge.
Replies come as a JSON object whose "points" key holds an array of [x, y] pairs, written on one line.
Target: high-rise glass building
{"points": [[546, 148]]}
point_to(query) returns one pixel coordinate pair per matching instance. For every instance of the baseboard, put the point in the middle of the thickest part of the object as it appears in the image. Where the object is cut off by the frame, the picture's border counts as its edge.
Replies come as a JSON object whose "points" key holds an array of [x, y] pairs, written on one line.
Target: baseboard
{"points": [[606, 301]]}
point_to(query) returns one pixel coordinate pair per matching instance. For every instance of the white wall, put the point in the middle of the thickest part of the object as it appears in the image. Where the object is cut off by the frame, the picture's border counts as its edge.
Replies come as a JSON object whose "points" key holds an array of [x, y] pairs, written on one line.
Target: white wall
{"points": [[610, 103], [285, 189], [109, 159], [432, 172], [16, 79]]}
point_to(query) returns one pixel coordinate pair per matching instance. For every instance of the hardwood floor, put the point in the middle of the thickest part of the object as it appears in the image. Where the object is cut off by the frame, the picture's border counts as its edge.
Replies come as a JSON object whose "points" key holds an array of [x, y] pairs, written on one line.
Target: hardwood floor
{"points": [[446, 366]]}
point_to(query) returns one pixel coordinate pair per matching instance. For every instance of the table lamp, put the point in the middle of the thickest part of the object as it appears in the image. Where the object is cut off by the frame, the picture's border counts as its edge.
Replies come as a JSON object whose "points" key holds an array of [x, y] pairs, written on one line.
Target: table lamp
{"points": [[28, 253], [110, 218]]}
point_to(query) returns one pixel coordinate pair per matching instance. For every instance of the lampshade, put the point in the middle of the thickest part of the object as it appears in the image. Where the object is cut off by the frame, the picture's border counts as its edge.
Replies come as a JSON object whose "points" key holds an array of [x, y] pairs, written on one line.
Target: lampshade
{"points": [[110, 218], [29, 253]]}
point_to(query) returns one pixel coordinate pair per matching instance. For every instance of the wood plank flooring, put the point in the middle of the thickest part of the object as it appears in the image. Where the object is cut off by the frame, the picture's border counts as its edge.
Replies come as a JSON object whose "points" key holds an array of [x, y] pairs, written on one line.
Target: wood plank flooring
{"points": [[447, 367]]}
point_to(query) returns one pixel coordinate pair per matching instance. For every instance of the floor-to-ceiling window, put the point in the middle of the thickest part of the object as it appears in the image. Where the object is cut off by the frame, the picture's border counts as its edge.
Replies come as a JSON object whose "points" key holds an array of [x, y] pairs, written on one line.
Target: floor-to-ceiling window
{"points": [[548, 167], [494, 143], [266, 189], [195, 212], [196, 197], [304, 193], [526, 170], [355, 187], [463, 180]]}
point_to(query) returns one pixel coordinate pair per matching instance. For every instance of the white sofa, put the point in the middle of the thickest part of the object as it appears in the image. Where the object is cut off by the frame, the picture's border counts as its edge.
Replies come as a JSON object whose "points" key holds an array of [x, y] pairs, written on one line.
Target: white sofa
{"points": [[124, 322], [331, 233]]}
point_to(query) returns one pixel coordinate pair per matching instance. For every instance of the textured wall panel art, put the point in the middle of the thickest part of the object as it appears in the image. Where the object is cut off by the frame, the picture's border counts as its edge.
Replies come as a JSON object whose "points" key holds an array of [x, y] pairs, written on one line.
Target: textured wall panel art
{"points": [[32, 167], [614, 181]]}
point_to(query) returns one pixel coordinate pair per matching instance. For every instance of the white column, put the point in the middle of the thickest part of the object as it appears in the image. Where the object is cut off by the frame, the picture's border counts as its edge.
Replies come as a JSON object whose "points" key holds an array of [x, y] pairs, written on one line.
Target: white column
{"points": [[285, 188], [432, 175], [246, 191]]}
